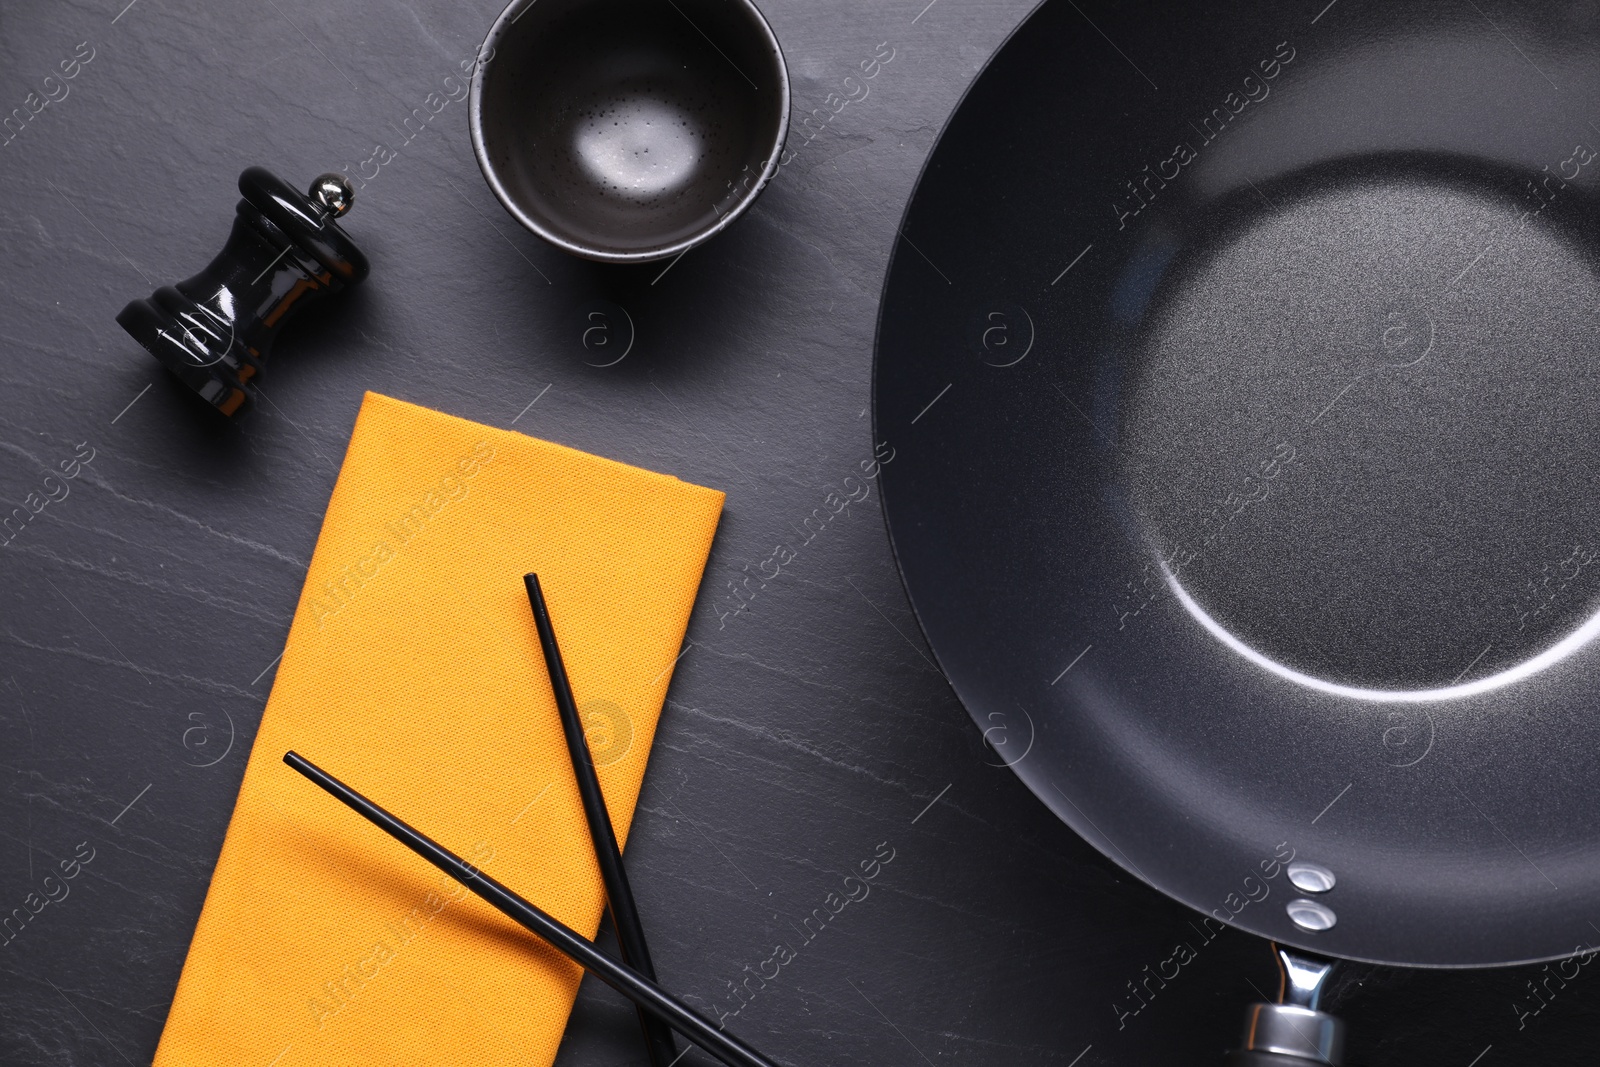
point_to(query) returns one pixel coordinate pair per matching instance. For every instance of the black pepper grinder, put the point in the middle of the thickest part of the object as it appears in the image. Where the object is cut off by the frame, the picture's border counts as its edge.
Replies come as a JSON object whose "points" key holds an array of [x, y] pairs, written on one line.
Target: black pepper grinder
{"points": [[215, 330]]}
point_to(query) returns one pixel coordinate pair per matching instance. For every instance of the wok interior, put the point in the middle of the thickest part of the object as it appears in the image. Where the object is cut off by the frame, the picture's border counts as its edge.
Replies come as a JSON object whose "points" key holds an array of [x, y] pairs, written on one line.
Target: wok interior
{"points": [[1375, 474], [1279, 538]]}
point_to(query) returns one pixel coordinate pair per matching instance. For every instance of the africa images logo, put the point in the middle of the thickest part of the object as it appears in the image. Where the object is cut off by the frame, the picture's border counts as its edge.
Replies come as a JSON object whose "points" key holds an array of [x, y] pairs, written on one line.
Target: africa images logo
{"points": [[341, 589]]}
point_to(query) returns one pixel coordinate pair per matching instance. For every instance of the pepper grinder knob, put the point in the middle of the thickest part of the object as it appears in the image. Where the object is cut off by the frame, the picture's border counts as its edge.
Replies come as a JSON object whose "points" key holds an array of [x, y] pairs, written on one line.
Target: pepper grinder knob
{"points": [[215, 330], [334, 192]]}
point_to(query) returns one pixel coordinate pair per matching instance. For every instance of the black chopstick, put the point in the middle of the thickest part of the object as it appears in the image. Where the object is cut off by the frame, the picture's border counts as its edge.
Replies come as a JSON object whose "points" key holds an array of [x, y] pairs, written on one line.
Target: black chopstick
{"points": [[574, 946], [624, 913]]}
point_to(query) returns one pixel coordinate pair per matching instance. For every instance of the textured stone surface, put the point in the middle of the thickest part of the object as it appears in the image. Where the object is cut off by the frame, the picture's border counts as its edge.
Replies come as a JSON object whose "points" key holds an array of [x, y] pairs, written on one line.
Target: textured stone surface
{"points": [[141, 615]]}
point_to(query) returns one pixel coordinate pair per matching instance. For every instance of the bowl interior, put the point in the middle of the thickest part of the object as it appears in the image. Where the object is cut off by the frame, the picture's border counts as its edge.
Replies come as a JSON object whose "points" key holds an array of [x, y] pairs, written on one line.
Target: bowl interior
{"points": [[624, 129]]}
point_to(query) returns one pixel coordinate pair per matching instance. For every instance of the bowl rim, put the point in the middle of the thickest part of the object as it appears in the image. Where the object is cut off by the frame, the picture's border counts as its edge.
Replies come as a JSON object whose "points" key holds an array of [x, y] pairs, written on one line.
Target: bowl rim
{"points": [[486, 55]]}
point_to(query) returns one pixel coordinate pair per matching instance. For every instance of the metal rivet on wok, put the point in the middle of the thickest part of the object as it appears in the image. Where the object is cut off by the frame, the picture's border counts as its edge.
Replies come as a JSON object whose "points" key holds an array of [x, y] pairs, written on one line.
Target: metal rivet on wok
{"points": [[1311, 915], [1311, 877]]}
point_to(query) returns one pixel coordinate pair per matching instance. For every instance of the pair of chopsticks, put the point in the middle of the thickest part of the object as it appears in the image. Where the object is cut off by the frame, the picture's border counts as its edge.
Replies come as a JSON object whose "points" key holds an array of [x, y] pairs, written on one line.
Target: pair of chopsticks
{"points": [[619, 896], [634, 976]]}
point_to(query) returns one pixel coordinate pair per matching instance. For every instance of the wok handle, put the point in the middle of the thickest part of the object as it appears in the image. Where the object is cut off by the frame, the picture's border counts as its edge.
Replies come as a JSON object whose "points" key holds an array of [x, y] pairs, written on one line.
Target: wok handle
{"points": [[1294, 1032]]}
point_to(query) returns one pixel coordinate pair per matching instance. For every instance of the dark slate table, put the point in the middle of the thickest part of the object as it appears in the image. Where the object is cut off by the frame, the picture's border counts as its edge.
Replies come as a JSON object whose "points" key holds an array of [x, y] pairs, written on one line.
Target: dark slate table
{"points": [[142, 614]]}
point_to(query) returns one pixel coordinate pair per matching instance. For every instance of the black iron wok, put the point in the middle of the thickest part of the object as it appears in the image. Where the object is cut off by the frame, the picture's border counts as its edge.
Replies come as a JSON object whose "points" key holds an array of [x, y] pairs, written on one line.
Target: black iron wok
{"points": [[1240, 363]]}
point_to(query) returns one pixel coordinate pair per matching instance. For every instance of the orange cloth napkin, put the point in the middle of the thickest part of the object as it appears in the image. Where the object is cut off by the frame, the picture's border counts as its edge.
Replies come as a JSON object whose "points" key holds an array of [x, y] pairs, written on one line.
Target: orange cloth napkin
{"points": [[413, 673]]}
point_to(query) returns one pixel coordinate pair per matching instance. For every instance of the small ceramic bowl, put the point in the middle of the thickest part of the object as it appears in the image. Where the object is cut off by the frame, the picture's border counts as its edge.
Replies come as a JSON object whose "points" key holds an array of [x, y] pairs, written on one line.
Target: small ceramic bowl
{"points": [[629, 130]]}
